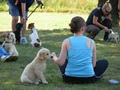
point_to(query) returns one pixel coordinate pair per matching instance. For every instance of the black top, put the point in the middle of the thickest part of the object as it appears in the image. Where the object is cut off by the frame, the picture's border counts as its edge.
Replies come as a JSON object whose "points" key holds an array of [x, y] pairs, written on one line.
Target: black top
{"points": [[96, 12]]}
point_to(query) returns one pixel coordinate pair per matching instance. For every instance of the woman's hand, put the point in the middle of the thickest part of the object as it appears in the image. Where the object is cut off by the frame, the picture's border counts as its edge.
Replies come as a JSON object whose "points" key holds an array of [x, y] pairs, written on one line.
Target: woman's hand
{"points": [[106, 29], [24, 19], [4, 35], [39, 2], [54, 56]]}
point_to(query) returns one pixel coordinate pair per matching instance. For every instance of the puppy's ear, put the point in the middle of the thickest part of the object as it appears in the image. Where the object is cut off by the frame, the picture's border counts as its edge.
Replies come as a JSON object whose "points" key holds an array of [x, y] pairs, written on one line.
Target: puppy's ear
{"points": [[29, 26], [32, 24], [14, 41], [41, 56]]}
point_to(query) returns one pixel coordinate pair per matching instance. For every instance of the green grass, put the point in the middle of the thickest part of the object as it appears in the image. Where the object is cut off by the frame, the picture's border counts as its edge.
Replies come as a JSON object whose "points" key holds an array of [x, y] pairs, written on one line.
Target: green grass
{"points": [[42, 20], [53, 29]]}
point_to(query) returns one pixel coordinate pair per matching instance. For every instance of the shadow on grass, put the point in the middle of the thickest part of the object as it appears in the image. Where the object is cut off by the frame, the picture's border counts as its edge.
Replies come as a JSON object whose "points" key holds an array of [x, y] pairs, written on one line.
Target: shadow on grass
{"points": [[52, 39]]}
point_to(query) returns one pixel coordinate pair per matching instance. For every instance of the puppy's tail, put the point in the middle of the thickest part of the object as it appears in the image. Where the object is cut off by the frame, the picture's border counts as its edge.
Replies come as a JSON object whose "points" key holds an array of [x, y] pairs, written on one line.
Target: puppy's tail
{"points": [[110, 30]]}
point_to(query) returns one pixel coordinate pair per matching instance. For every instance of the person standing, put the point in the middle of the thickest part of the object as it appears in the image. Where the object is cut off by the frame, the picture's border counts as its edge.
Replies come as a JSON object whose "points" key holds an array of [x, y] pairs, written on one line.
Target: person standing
{"points": [[99, 18], [20, 8]]}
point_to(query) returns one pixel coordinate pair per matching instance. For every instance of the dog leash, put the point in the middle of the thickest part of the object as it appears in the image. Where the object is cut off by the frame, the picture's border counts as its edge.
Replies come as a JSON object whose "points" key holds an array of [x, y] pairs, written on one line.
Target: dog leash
{"points": [[41, 5], [3, 44]]}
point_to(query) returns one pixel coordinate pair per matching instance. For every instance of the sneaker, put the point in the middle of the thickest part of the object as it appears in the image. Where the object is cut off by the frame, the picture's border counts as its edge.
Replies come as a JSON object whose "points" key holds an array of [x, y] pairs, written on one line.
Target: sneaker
{"points": [[23, 40], [3, 58], [11, 58]]}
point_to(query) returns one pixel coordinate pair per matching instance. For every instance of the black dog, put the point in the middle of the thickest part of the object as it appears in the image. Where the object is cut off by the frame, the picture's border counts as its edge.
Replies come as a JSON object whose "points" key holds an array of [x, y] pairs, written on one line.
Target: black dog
{"points": [[17, 32]]}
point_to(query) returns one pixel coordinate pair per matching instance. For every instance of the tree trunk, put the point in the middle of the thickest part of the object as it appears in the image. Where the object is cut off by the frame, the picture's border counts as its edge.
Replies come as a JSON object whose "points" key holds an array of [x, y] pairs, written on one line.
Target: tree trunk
{"points": [[114, 4]]}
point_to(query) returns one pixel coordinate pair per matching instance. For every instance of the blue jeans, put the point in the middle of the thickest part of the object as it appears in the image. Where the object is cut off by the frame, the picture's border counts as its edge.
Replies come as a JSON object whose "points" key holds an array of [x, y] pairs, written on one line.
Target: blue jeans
{"points": [[3, 52]]}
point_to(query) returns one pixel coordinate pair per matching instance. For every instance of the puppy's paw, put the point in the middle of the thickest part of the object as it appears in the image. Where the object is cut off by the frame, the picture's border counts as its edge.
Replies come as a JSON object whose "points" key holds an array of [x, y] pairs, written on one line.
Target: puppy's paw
{"points": [[36, 83], [45, 82]]}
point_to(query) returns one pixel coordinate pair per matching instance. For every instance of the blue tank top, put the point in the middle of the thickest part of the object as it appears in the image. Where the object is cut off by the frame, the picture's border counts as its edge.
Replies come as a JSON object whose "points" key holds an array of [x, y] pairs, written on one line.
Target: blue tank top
{"points": [[79, 58]]}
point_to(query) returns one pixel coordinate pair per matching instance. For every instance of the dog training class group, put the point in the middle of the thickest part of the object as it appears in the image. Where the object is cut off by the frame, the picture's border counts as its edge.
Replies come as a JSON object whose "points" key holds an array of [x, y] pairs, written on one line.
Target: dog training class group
{"points": [[77, 59]]}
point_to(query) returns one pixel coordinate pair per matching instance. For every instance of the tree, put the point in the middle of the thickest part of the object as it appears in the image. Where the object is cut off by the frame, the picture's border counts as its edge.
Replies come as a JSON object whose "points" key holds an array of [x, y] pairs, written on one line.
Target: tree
{"points": [[114, 4]]}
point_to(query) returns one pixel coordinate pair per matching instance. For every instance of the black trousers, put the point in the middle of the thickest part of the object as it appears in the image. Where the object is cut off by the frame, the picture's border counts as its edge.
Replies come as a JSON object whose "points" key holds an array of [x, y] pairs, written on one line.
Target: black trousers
{"points": [[108, 24], [93, 30], [100, 68]]}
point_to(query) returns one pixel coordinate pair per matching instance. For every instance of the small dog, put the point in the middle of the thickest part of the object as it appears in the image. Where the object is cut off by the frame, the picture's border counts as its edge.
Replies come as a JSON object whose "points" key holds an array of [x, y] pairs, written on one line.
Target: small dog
{"points": [[113, 36], [17, 32], [34, 38], [9, 44], [33, 72]]}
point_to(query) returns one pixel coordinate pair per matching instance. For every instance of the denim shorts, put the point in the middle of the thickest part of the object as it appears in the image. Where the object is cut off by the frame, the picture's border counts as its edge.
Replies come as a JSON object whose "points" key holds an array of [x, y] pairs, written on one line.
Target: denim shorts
{"points": [[13, 10]]}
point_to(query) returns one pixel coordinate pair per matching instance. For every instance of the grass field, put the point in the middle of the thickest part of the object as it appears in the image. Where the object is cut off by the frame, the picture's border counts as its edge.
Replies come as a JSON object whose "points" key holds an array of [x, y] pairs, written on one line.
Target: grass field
{"points": [[53, 29]]}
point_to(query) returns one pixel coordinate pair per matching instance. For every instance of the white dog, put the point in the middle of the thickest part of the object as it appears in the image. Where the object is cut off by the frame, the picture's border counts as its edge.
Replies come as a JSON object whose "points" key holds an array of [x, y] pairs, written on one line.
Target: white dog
{"points": [[34, 38], [33, 72], [9, 44], [113, 36]]}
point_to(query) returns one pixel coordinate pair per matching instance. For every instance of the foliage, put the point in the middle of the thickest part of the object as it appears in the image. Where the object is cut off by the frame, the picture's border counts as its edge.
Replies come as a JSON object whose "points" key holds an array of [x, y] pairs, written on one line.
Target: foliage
{"points": [[61, 5]]}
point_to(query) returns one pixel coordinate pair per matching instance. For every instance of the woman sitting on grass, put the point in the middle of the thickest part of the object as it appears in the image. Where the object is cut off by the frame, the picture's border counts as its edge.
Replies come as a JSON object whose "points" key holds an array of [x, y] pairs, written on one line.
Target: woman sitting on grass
{"points": [[77, 60]]}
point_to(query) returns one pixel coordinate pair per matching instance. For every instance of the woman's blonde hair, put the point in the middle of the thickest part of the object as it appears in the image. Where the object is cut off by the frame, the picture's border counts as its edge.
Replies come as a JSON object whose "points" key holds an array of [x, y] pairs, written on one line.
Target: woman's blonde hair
{"points": [[107, 5]]}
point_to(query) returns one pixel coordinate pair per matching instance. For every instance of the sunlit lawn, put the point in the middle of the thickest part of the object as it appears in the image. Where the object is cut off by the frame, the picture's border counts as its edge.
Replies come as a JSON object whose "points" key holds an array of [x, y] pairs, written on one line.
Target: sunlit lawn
{"points": [[53, 29]]}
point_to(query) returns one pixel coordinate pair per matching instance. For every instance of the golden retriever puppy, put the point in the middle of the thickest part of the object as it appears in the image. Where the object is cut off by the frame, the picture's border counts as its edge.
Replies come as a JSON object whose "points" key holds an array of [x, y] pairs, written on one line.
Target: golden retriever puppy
{"points": [[9, 44], [113, 36], [33, 72]]}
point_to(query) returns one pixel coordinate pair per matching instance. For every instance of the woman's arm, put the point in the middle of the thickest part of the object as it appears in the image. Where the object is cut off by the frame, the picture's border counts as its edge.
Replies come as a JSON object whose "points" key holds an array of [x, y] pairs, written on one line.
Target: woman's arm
{"points": [[63, 54], [3, 35], [95, 22]]}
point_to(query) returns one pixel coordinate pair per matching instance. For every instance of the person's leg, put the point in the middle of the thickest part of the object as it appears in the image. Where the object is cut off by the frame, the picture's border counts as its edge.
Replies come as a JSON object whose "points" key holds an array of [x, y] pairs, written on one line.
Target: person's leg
{"points": [[3, 52], [14, 22], [14, 12], [23, 39], [106, 36], [100, 68], [6, 57], [92, 31], [23, 28], [74, 80]]}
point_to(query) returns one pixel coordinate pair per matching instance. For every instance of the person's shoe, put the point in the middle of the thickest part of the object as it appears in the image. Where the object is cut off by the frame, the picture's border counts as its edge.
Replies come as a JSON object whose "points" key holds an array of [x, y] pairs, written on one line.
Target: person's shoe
{"points": [[23, 40], [11, 58], [3, 58]]}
